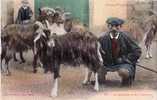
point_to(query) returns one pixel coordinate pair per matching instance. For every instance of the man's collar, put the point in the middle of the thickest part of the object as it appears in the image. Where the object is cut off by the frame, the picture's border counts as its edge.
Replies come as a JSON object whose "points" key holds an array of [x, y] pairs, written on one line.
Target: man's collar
{"points": [[116, 37], [24, 7]]}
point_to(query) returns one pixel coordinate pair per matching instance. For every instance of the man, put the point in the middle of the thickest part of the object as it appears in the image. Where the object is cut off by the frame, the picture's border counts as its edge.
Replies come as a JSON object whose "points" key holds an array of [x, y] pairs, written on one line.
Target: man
{"points": [[24, 14], [120, 53]]}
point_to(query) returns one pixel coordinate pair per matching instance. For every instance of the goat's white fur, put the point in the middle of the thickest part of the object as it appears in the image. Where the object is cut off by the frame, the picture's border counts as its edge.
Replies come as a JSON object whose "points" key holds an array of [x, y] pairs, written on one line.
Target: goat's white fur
{"points": [[98, 51], [54, 91], [51, 43], [56, 29], [88, 74], [96, 86], [40, 33]]}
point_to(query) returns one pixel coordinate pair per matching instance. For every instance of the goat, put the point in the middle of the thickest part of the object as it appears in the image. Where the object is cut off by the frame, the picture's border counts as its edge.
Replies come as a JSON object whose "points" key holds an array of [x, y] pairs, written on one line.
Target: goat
{"points": [[150, 34], [71, 48], [21, 37], [6, 55]]}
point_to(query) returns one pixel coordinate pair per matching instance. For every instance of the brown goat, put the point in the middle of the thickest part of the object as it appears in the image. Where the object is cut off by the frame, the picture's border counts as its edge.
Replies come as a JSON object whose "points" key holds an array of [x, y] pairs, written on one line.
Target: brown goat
{"points": [[21, 37]]}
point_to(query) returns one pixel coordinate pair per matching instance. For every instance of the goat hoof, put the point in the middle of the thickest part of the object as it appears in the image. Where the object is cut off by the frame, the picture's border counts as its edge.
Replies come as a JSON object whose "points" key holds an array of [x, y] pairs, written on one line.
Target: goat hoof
{"points": [[96, 88], [34, 71], [15, 60], [85, 83], [54, 94], [22, 62], [147, 57], [8, 74], [150, 56], [2, 71], [45, 71]]}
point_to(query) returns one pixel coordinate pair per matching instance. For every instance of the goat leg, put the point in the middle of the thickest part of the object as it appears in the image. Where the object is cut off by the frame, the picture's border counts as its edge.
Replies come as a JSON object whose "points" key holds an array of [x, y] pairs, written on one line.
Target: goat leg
{"points": [[54, 91], [88, 74], [15, 59], [96, 86], [8, 73], [35, 63], [22, 58], [2, 66]]}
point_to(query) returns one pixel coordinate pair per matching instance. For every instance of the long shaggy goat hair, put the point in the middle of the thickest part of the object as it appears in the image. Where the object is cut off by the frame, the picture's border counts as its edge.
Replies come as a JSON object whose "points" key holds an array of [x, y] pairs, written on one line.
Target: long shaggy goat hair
{"points": [[72, 49]]}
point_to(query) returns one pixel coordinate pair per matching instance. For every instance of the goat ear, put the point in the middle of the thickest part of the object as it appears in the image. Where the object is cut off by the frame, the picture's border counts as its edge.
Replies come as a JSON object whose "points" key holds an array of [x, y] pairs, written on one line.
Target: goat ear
{"points": [[39, 11], [35, 27]]}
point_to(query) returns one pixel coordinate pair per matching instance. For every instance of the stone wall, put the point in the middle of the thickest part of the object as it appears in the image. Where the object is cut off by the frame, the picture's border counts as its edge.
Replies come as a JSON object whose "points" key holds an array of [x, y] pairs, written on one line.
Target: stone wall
{"points": [[6, 12], [100, 10]]}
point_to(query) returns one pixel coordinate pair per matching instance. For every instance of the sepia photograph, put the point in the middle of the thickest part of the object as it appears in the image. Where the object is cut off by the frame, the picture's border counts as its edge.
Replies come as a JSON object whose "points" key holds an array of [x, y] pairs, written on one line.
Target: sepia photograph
{"points": [[78, 49]]}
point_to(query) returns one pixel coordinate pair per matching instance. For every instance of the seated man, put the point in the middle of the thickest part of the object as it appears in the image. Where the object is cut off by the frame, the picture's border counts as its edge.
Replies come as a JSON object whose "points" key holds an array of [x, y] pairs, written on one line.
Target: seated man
{"points": [[120, 52]]}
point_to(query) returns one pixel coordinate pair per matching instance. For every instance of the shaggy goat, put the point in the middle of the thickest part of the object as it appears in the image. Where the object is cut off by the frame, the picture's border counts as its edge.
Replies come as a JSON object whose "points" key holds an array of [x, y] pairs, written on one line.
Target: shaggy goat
{"points": [[6, 55], [21, 37], [72, 49]]}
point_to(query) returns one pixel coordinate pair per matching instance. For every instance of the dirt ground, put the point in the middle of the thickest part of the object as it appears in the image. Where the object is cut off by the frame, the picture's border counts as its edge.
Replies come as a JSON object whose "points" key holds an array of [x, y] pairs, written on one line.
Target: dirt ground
{"points": [[24, 85]]}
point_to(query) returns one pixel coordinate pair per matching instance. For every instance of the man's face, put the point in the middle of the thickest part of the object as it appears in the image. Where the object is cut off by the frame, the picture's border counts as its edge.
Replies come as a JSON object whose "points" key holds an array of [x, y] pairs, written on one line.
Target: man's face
{"points": [[25, 5], [114, 29]]}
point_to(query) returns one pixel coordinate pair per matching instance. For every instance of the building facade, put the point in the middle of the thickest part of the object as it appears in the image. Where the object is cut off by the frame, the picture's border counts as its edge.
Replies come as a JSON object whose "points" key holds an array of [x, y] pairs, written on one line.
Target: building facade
{"points": [[91, 12], [9, 10]]}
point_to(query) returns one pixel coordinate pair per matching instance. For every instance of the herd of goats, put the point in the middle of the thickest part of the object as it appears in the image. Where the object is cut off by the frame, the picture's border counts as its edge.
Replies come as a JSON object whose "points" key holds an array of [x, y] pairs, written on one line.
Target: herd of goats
{"points": [[54, 40]]}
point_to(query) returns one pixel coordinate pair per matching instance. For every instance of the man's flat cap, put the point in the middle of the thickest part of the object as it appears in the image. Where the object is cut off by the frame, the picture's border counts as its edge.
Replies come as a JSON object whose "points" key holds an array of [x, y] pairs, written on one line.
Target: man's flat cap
{"points": [[24, 1], [114, 21]]}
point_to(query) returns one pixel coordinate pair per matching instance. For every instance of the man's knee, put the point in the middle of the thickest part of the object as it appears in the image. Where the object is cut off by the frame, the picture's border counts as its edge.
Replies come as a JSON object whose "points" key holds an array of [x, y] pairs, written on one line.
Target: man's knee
{"points": [[124, 73]]}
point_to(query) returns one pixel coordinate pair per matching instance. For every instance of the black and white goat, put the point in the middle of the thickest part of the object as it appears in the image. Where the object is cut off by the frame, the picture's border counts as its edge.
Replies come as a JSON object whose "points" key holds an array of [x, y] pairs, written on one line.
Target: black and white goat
{"points": [[19, 38], [6, 55], [59, 22], [72, 49]]}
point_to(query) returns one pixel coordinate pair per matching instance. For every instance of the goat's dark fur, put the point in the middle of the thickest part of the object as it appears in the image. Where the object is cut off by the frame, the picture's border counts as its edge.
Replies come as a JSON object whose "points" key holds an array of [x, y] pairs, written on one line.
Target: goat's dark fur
{"points": [[20, 37], [71, 48], [6, 54]]}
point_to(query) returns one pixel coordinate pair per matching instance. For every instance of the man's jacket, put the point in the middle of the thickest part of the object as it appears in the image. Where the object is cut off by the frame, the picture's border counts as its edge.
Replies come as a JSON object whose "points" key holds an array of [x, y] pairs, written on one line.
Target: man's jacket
{"points": [[129, 50], [24, 14]]}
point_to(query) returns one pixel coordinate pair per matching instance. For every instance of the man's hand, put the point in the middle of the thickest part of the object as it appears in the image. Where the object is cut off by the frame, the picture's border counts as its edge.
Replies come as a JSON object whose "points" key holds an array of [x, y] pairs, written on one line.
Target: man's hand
{"points": [[123, 59]]}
